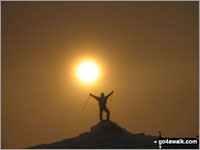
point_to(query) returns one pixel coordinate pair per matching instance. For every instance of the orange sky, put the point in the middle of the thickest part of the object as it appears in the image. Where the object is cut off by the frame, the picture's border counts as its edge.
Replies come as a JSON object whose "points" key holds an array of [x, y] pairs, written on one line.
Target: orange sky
{"points": [[148, 53]]}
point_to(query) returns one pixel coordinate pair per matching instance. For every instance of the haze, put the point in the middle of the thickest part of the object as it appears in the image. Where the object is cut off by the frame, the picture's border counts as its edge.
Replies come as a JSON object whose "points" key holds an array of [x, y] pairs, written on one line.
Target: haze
{"points": [[148, 53]]}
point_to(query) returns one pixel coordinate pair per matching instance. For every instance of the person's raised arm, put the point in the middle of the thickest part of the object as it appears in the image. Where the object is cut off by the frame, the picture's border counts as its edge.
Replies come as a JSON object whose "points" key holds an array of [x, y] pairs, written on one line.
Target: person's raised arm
{"points": [[96, 97], [109, 94]]}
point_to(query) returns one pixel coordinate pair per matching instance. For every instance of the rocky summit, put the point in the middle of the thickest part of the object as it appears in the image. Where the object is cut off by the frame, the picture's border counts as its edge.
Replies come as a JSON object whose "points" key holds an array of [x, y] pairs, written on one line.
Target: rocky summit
{"points": [[104, 135]]}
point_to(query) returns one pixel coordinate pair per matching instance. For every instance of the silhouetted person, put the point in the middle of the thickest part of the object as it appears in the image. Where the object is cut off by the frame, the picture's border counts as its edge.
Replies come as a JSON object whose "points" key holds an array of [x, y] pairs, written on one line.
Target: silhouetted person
{"points": [[102, 104], [159, 134]]}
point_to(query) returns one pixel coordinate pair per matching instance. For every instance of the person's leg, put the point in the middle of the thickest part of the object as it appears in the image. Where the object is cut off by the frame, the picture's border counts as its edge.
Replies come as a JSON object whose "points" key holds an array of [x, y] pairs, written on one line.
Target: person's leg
{"points": [[100, 114], [108, 113]]}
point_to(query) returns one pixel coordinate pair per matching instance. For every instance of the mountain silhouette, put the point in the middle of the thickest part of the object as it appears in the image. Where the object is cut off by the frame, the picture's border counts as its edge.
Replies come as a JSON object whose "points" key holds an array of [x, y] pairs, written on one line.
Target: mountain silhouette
{"points": [[104, 135]]}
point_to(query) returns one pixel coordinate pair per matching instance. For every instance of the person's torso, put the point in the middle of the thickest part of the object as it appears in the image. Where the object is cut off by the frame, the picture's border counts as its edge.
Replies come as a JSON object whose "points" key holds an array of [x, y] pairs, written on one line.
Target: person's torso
{"points": [[102, 101]]}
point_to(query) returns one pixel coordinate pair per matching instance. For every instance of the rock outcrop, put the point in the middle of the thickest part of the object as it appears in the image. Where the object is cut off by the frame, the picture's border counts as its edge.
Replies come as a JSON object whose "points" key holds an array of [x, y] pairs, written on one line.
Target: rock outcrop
{"points": [[105, 135]]}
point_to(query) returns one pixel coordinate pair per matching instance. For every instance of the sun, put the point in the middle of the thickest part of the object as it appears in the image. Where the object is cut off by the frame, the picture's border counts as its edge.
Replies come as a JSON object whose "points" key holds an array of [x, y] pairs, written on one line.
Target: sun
{"points": [[87, 72]]}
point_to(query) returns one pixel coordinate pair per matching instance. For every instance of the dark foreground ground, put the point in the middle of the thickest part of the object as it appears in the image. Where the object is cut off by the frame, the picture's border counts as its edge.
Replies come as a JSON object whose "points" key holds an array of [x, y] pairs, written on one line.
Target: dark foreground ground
{"points": [[105, 135]]}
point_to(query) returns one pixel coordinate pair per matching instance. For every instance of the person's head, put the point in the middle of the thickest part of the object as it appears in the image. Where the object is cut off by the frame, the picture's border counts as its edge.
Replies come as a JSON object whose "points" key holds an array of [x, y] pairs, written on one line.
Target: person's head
{"points": [[102, 94]]}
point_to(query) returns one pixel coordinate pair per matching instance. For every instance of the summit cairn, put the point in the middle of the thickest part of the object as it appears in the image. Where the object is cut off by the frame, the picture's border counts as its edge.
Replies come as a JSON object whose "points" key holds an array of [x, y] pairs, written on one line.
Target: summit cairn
{"points": [[105, 135]]}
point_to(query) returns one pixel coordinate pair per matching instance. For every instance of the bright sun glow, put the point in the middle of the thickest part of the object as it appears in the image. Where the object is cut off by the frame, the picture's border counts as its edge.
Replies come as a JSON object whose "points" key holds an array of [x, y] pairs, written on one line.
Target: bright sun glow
{"points": [[88, 72]]}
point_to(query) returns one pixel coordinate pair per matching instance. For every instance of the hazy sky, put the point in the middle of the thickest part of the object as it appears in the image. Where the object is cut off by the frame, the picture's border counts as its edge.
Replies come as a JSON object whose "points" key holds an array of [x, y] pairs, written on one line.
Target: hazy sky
{"points": [[147, 53]]}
